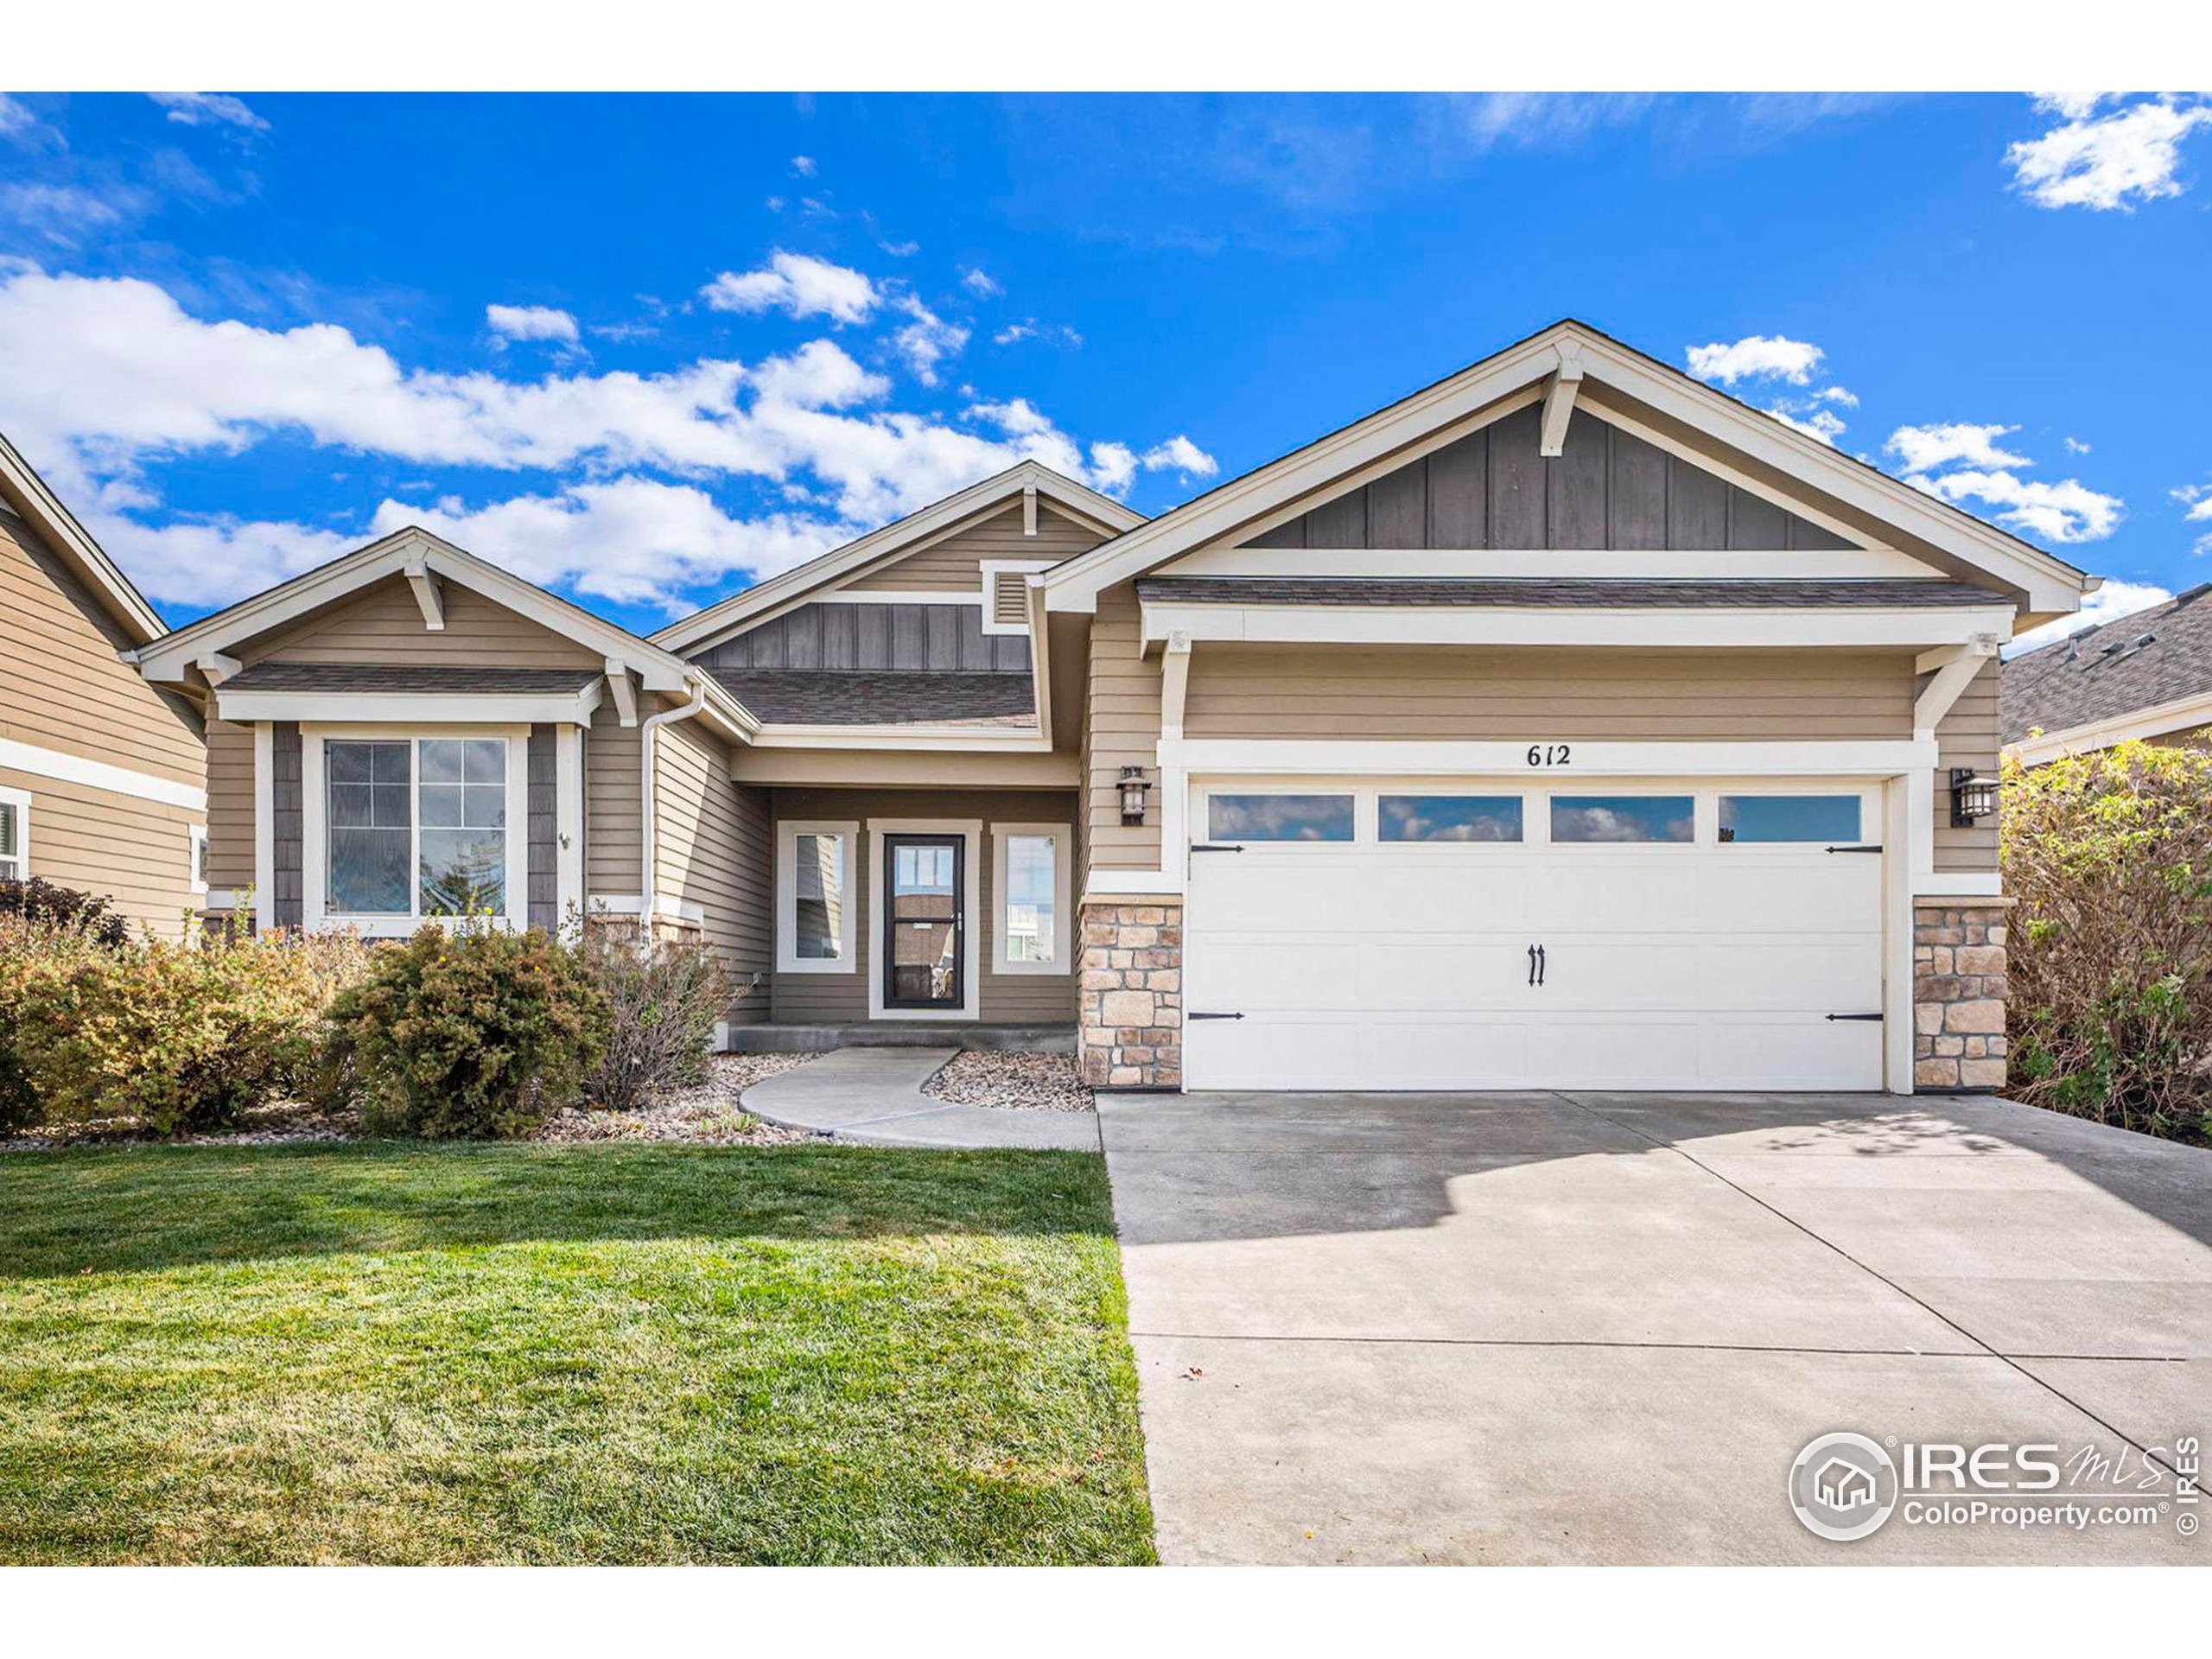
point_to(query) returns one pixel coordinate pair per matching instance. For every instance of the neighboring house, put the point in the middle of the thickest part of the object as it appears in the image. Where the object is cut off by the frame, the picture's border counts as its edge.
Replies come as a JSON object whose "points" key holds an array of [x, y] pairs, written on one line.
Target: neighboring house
{"points": [[1567, 724], [2145, 675], [102, 777]]}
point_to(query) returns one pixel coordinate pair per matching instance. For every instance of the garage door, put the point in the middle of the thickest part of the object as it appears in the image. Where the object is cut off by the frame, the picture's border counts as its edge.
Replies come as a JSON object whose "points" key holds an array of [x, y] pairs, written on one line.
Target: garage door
{"points": [[1675, 936]]}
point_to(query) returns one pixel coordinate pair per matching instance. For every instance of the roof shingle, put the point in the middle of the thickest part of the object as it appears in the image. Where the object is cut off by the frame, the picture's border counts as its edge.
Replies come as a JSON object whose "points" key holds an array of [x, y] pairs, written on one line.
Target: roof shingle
{"points": [[2138, 661], [374, 678], [809, 697]]}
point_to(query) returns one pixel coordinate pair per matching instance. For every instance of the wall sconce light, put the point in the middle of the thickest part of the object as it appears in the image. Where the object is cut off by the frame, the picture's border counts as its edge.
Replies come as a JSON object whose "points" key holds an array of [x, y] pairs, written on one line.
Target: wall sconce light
{"points": [[1134, 784], [1973, 795]]}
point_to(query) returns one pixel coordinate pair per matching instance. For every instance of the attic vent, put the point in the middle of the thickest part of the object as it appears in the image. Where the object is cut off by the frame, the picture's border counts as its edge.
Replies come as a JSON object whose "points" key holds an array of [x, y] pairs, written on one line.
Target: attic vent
{"points": [[1010, 599]]}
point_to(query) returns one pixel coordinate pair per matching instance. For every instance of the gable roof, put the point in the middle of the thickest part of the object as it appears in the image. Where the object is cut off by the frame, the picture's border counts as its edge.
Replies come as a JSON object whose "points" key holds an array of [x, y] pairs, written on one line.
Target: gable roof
{"points": [[171, 656], [1465, 401], [2140, 662], [942, 518], [21, 484]]}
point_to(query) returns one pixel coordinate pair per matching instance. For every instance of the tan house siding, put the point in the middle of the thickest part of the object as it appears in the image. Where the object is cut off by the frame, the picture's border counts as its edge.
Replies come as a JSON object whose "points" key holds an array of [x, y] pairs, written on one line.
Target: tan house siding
{"points": [[68, 691], [614, 850], [230, 807], [1449, 691], [1001, 999], [382, 624], [713, 849], [1967, 736], [1121, 708], [953, 563], [134, 852]]}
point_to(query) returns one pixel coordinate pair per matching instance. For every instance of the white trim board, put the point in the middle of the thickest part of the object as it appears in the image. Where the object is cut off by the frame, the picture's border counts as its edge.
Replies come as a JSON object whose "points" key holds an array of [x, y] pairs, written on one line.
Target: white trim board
{"points": [[1476, 564], [566, 708], [21, 800], [970, 830], [99, 774], [1451, 758]]}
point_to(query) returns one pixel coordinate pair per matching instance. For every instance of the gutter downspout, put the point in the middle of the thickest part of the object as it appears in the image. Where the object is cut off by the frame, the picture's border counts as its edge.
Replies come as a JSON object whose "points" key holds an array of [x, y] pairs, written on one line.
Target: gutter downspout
{"points": [[649, 898]]}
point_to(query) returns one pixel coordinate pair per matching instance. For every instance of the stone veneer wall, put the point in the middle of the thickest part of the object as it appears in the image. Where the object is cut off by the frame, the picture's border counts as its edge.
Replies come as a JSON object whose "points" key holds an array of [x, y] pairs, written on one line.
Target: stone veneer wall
{"points": [[1958, 993], [1130, 1006]]}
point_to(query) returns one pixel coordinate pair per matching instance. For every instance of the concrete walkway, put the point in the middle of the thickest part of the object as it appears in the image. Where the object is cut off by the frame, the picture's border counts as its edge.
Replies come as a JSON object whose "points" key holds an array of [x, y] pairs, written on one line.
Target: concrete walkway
{"points": [[1597, 1328], [875, 1096]]}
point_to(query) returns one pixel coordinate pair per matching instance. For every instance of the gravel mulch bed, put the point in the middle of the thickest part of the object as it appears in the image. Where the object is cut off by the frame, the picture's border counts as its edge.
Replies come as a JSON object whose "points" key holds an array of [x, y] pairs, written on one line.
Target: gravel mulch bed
{"points": [[1022, 1083], [706, 1115]]}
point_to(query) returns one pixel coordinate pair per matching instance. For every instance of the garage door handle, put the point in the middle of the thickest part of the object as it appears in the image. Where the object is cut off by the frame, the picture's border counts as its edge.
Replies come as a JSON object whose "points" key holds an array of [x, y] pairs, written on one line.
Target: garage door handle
{"points": [[1532, 964], [1543, 964], [1854, 1016], [1213, 1016], [1216, 847], [1855, 850]]}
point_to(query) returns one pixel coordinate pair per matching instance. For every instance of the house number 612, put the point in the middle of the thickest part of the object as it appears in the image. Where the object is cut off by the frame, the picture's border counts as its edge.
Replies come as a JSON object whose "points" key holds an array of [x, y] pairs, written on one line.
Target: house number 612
{"points": [[1547, 754]]}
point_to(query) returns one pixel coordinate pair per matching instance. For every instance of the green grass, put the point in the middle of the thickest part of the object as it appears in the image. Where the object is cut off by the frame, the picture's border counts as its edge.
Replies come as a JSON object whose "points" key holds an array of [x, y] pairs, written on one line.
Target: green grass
{"points": [[401, 1353]]}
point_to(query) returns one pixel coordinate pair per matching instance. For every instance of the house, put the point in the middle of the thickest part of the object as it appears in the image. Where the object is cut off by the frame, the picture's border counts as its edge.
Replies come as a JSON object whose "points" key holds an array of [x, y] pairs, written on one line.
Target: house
{"points": [[103, 776], [1566, 723], [2146, 675]]}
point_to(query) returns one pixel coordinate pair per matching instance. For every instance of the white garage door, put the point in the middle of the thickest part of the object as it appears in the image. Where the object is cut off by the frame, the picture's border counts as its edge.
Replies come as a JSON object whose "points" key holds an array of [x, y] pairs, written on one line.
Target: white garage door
{"points": [[1675, 936]]}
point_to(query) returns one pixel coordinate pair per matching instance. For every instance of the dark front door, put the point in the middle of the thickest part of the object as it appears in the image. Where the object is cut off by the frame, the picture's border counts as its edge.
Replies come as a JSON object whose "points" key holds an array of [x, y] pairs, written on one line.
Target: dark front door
{"points": [[924, 897]]}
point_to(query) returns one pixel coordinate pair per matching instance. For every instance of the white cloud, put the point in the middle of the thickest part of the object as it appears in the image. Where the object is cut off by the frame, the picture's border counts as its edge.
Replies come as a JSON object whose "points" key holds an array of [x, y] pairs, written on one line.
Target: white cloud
{"points": [[981, 283], [1490, 118], [1837, 395], [63, 212], [901, 250], [1112, 466], [2112, 600], [1756, 357], [1179, 454], [1824, 424], [208, 109], [798, 284], [927, 340], [2075, 447], [2066, 511], [1923, 448], [2197, 498], [108, 376], [530, 322], [1053, 333], [819, 375], [14, 117], [2074, 106], [2104, 162], [804, 166]]}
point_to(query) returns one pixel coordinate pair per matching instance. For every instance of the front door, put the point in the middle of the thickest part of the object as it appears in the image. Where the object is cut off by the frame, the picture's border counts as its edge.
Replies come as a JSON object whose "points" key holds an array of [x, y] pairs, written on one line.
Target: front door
{"points": [[924, 900]]}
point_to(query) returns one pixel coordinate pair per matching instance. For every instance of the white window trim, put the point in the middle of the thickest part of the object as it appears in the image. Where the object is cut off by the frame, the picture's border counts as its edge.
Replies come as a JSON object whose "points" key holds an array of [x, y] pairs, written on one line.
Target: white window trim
{"points": [[21, 800], [314, 839], [1063, 960], [989, 570], [196, 858], [787, 834], [971, 831]]}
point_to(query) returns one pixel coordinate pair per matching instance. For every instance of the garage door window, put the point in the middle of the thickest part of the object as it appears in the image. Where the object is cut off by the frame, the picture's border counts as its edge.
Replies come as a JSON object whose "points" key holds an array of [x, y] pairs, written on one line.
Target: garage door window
{"points": [[1279, 817], [1789, 817], [1450, 817], [1598, 818]]}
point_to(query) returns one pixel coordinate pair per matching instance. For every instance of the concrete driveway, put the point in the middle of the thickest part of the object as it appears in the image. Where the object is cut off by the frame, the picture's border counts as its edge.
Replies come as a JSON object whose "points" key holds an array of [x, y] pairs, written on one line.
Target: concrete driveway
{"points": [[1600, 1328]]}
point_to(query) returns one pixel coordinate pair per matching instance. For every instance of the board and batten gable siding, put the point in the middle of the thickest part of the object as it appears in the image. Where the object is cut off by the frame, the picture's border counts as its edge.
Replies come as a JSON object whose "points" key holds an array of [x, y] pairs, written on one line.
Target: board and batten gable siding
{"points": [[68, 691], [1517, 693], [953, 563], [1609, 489], [1122, 728], [383, 625], [713, 849], [1968, 736], [1000, 999], [871, 637]]}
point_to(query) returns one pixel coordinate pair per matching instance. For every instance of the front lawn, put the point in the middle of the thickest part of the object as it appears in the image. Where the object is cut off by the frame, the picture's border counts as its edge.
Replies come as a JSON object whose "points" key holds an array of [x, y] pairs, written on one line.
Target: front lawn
{"points": [[396, 1352]]}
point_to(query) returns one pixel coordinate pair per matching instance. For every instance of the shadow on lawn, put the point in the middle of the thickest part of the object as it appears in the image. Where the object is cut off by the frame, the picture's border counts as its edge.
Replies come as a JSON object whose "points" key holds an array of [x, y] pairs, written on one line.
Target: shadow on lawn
{"points": [[148, 1208]]}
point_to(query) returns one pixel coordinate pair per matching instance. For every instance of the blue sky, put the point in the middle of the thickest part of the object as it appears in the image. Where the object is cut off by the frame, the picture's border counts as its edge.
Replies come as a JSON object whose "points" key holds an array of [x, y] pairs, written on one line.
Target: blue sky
{"points": [[647, 349]]}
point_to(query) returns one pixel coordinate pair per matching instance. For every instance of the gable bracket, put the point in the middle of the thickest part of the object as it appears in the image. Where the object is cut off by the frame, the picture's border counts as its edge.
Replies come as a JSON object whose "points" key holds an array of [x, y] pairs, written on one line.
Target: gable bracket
{"points": [[425, 584], [1559, 401], [1955, 669], [626, 694]]}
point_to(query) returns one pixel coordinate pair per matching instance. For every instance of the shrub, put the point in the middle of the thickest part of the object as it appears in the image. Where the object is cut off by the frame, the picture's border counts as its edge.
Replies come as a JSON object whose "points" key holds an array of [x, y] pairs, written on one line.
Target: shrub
{"points": [[179, 1036], [663, 998], [470, 1032], [40, 900], [2110, 857]]}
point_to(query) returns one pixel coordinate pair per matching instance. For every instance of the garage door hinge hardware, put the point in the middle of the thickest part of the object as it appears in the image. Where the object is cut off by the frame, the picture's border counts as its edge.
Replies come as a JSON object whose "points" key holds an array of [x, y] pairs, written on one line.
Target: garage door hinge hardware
{"points": [[1854, 1016], [1216, 847], [1854, 849], [1213, 1016]]}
